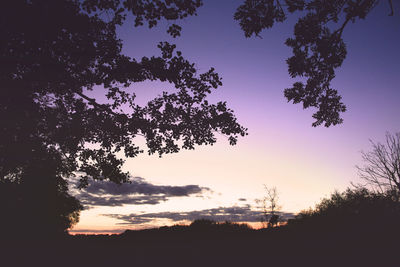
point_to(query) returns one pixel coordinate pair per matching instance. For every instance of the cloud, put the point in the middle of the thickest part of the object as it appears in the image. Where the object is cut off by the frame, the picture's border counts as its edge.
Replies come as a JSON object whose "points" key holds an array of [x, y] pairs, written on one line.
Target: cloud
{"points": [[233, 214], [137, 192], [138, 185]]}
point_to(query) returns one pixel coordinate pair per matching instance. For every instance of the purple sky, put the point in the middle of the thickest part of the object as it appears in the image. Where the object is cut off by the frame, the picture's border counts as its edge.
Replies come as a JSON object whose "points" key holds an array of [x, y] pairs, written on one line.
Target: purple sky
{"points": [[282, 148]]}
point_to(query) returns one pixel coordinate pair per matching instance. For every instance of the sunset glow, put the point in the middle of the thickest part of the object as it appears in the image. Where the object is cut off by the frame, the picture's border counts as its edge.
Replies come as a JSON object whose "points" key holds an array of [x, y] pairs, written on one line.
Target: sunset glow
{"points": [[304, 163]]}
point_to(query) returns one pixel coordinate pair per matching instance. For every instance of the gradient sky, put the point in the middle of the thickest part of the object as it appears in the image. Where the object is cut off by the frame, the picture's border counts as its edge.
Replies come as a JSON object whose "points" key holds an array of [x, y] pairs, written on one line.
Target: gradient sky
{"points": [[282, 149]]}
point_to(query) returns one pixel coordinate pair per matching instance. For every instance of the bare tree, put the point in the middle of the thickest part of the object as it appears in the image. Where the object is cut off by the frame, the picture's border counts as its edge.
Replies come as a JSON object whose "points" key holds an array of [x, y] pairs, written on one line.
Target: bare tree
{"points": [[381, 168], [270, 207]]}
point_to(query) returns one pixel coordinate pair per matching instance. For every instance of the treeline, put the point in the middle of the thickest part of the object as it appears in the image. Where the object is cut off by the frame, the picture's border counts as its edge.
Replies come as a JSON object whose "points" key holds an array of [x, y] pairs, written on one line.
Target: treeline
{"points": [[357, 227], [353, 219]]}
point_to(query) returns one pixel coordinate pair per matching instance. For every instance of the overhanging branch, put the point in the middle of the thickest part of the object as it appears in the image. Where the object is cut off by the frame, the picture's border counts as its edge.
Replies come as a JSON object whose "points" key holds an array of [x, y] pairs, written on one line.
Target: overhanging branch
{"points": [[93, 102]]}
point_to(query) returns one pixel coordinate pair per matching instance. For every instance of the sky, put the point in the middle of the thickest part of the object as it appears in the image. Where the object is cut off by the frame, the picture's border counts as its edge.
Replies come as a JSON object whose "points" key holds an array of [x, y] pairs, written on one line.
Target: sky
{"points": [[282, 149]]}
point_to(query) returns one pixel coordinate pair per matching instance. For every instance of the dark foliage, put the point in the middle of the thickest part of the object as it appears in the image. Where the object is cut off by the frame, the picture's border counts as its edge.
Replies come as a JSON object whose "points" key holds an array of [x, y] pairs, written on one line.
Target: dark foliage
{"points": [[208, 243], [44, 213], [317, 46], [355, 211], [54, 53], [204, 225], [200, 228]]}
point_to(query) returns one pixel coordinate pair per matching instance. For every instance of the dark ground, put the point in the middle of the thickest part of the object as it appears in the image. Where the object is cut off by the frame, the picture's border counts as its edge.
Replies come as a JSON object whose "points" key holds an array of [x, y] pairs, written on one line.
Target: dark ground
{"points": [[211, 246]]}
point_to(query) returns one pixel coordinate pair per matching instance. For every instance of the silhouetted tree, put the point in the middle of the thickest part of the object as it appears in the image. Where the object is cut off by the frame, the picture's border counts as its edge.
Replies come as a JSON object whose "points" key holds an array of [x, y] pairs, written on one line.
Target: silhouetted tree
{"points": [[318, 47], [354, 208], [381, 169], [270, 207], [54, 55], [37, 204]]}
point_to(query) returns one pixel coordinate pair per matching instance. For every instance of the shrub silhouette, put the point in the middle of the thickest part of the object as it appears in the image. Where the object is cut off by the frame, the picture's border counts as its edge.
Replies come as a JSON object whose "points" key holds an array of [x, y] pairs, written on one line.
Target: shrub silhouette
{"points": [[203, 224], [353, 210], [46, 212], [206, 225]]}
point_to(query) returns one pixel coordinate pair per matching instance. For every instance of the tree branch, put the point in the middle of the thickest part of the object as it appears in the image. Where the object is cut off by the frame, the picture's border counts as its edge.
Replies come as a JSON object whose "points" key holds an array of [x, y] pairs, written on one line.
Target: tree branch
{"points": [[340, 30], [93, 102], [391, 8]]}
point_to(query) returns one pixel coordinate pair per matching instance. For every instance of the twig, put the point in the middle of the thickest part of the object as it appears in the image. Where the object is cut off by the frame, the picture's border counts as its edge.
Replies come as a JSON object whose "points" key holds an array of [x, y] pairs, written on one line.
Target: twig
{"points": [[93, 102], [391, 8]]}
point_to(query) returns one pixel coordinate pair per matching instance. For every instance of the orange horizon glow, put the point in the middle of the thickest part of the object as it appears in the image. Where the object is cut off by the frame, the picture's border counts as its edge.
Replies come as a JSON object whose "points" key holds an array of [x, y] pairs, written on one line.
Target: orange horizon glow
{"points": [[253, 225]]}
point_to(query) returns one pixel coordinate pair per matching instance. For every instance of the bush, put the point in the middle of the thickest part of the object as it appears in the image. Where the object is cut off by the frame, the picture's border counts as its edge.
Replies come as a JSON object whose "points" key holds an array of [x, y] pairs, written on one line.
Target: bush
{"points": [[356, 209]]}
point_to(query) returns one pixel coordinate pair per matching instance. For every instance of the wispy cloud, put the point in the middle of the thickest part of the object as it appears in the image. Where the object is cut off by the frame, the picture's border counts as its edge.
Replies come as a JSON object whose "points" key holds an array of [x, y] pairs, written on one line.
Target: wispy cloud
{"points": [[137, 192], [233, 214]]}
